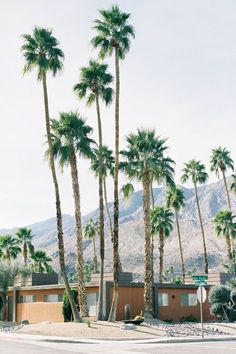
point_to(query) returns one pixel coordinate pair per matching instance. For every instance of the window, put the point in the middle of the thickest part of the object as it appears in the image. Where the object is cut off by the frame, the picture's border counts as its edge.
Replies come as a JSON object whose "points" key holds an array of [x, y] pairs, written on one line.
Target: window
{"points": [[27, 298], [92, 303], [53, 298], [163, 299], [188, 299]]}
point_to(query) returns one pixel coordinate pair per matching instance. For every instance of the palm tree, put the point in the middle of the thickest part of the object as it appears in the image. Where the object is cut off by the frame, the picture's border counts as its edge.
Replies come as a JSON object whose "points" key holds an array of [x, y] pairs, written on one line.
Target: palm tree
{"points": [[175, 200], [41, 52], [70, 135], [40, 262], [162, 224], [143, 159], [233, 184], [195, 171], [220, 162], [94, 84], [24, 238], [106, 168], [91, 229], [113, 36], [225, 225], [9, 247]]}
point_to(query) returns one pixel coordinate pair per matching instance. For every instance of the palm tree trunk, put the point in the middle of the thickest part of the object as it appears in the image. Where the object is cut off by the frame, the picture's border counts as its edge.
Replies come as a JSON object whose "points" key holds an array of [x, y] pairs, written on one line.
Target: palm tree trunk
{"points": [[229, 205], [95, 257], [58, 206], [161, 260], [109, 216], [180, 247], [4, 305], [148, 296], [228, 246], [25, 253], [116, 259], [100, 314], [152, 237], [202, 230], [82, 297]]}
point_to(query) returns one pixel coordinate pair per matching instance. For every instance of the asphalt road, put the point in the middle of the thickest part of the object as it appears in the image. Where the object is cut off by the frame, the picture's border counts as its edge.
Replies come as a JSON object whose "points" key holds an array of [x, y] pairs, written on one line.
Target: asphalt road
{"points": [[8, 346]]}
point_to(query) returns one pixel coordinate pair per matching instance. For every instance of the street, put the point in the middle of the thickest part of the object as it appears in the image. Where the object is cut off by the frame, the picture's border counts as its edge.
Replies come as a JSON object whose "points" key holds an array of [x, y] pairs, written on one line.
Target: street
{"points": [[8, 346]]}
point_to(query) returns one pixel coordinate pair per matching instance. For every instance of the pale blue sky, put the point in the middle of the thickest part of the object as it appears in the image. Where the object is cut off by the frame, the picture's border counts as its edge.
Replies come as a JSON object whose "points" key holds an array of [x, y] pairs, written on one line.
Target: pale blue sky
{"points": [[179, 77]]}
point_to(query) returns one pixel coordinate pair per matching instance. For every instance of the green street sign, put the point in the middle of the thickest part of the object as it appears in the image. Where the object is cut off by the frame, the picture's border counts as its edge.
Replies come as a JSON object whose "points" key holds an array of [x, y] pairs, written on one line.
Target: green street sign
{"points": [[200, 279]]}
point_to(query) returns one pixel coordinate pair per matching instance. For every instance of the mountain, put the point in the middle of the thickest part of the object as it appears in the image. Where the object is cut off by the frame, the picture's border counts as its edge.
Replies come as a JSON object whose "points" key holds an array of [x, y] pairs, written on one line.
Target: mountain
{"points": [[212, 198]]}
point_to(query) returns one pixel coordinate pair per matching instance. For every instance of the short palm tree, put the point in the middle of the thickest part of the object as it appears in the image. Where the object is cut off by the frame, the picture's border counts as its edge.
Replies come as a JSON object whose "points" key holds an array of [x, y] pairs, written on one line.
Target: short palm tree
{"points": [[9, 247], [143, 159], [220, 163], [225, 225], [41, 52], [24, 237], [175, 200], [161, 224], [70, 135], [40, 262], [94, 85], [91, 230], [113, 36], [195, 171]]}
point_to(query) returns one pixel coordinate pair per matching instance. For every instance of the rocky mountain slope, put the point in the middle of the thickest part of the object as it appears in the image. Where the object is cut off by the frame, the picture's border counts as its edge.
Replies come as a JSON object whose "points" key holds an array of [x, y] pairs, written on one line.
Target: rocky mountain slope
{"points": [[212, 198]]}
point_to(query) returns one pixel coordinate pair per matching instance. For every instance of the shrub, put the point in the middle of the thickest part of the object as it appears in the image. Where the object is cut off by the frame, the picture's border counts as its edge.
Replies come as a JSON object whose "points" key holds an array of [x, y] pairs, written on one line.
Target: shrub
{"points": [[127, 312], [219, 294], [66, 308]]}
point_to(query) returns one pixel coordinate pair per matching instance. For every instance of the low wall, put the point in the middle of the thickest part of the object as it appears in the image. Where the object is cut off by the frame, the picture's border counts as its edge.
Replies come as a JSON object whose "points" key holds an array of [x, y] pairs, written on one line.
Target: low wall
{"points": [[36, 312]]}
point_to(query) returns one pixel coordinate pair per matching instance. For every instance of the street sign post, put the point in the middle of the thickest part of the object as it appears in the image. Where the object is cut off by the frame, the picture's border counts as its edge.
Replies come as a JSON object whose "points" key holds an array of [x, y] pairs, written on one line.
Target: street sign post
{"points": [[201, 294]]}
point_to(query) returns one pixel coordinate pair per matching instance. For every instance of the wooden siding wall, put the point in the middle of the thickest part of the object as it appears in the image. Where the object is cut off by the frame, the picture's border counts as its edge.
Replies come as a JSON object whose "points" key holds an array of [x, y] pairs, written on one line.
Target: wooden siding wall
{"points": [[40, 311]]}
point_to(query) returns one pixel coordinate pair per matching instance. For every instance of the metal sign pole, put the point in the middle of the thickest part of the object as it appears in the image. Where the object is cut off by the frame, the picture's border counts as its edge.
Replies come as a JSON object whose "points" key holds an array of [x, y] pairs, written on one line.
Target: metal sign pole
{"points": [[201, 311]]}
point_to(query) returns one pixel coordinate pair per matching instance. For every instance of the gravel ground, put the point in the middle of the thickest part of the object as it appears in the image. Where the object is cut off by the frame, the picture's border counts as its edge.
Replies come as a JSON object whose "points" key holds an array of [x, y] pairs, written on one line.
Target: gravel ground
{"points": [[152, 329]]}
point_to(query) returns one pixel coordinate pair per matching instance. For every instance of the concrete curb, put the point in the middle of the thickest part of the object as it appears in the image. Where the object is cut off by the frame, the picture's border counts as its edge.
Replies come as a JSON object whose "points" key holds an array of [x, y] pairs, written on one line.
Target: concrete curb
{"points": [[163, 340]]}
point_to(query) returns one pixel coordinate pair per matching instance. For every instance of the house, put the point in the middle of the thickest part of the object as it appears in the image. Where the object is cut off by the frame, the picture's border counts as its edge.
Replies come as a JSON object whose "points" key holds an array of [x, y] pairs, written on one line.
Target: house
{"points": [[37, 302]]}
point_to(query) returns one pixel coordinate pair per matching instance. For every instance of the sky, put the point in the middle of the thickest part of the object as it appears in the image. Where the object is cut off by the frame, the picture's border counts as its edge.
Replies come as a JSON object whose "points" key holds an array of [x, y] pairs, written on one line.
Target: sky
{"points": [[179, 78]]}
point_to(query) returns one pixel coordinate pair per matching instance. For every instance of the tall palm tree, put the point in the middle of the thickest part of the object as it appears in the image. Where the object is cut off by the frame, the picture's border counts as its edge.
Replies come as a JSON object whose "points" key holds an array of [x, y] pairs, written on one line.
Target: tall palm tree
{"points": [[95, 85], [91, 230], [143, 159], [24, 237], [175, 200], [40, 262], [70, 135], [9, 247], [225, 225], [195, 171], [41, 52], [162, 224], [113, 36], [220, 162], [106, 169]]}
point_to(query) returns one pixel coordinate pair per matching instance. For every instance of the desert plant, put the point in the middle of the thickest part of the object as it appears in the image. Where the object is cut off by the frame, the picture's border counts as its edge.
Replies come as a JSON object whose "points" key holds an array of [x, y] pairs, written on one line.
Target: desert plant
{"points": [[223, 302], [127, 312], [66, 307]]}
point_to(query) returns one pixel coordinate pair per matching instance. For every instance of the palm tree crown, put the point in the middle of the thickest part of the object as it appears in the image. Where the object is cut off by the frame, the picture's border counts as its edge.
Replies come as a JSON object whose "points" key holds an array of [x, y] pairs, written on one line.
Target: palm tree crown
{"points": [[24, 237], [40, 262], [91, 229], [113, 32], [224, 221], [41, 51], [161, 221], [95, 79], [69, 134], [107, 166], [175, 198], [145, 155], [195, 171], [221, 160], [9, 247]]}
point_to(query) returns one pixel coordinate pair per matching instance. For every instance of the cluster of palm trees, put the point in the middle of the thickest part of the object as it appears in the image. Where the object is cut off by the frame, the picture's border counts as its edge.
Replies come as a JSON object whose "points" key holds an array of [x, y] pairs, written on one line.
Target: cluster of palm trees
{"points": [[69, 135], [145, 160], [12, 246]]}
